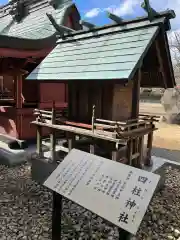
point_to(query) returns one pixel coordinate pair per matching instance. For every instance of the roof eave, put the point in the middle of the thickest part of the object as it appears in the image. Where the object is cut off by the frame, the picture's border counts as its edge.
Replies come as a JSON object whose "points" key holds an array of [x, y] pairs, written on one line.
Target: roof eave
{"points": [[35, 44], [140, 61], [27, 44], [171, 83]]}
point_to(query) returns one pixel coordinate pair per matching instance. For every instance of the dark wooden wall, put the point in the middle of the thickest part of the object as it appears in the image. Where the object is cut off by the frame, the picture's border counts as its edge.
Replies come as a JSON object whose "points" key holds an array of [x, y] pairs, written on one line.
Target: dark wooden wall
{"points": [[155, 75], [122, 102], [112, 101], [30, 91], [8, 83]]}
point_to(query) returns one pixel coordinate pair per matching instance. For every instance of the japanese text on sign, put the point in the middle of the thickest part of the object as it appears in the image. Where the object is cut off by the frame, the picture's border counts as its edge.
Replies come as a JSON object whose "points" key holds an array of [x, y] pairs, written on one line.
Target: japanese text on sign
{"points": [[114, 191]]}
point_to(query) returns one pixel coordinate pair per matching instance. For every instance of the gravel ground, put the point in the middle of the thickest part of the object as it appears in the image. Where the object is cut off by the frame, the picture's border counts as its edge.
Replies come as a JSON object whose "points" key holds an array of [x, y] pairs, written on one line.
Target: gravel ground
{"points": [[25, 211]]}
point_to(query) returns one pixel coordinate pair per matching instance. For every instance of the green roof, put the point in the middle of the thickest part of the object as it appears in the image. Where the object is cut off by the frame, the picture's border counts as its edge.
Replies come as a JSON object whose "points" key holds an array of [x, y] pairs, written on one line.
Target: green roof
{"points": [[111, 52], [35, 25]]}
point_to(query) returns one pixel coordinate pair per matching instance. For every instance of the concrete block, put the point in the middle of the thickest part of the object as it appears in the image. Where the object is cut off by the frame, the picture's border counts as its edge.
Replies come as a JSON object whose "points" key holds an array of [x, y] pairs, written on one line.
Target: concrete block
{"points": [[158, 167], [41, 169], [10, 157]]}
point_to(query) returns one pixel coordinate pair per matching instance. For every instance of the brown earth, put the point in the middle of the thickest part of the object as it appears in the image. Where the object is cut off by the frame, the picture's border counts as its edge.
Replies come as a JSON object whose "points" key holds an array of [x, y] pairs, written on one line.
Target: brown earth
{"points": [[167, 136], [166, 142]]}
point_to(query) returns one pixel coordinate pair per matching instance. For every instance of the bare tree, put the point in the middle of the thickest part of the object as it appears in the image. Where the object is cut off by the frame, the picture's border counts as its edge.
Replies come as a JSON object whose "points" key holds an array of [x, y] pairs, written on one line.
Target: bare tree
{"points": [[174, 41]]}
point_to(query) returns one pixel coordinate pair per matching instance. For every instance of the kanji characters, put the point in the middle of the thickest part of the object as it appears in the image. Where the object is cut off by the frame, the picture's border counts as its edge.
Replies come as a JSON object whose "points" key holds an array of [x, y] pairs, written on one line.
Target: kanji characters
{"points": [[123, 217], [136, 191], [130, 203], [142, 179]]}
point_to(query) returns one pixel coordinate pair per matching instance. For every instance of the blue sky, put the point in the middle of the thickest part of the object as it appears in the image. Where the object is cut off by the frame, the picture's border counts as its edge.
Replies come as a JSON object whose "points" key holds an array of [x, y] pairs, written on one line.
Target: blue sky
{"points": [[95, 10]]}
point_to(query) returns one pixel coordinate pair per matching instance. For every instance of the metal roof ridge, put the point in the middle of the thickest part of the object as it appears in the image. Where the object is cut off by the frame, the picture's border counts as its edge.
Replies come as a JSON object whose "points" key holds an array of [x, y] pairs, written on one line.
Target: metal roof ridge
{"points": [[169, 14], [4, 9], [67, 39], [10, 2]]}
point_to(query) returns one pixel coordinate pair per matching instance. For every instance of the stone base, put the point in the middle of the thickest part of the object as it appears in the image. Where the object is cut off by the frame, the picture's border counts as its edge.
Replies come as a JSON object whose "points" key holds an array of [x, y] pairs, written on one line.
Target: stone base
{"points": [[157, 167], [10, 157], [41, 170]]}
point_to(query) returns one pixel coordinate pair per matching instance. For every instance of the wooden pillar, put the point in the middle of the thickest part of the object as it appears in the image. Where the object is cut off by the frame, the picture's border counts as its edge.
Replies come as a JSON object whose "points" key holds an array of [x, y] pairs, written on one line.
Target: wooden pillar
{"points": [[135, 109], [53, 136], [92, 148], [39, 141], [148, 161], [140, 151], [71, 141], [114, 155], [129, 151], [93, 118], [18, 81], [136, 95], [53, 145]]}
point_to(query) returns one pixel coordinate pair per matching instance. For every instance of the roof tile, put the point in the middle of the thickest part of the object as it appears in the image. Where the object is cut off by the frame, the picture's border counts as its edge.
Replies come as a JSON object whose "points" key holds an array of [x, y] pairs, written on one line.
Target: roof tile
{"points": [[111, 56], [36, 24]]}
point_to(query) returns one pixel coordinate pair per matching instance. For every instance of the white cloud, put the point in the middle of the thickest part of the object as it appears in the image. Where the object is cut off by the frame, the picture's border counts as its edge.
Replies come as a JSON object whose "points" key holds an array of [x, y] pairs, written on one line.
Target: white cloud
{"points": [[129, 7], [120, 10], [124, 9], [93, 13]]}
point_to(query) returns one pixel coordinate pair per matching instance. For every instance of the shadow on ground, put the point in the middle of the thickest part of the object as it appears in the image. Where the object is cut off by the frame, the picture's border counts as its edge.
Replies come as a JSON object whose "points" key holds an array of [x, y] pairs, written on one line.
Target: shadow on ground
{"points": [[173, 155]]}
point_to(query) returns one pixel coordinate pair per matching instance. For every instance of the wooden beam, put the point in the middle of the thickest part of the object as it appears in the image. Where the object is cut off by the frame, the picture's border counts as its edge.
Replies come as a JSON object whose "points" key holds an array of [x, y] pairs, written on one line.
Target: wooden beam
{"points": [[114, 17], [150, 11], [18, 90], [160, 60], [59, 28], [87, 24], [30, 60], [84, 132]]}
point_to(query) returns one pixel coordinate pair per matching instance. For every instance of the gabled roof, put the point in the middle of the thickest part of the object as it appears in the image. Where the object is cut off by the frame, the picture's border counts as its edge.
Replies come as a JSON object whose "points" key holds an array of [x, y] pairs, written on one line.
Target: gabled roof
{"points": [[111, 52], [34, 28]]}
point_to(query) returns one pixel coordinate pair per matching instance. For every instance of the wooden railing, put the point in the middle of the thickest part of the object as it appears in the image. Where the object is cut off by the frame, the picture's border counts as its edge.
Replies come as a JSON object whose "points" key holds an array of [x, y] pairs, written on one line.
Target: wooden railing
{"points": [[131, 131], [52, 116]]}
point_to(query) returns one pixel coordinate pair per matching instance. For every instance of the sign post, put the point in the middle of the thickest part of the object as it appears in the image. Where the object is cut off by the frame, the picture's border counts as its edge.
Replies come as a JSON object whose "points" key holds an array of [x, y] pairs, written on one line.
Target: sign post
{"points": [[124, 235], [125, 190], [56, 216]]}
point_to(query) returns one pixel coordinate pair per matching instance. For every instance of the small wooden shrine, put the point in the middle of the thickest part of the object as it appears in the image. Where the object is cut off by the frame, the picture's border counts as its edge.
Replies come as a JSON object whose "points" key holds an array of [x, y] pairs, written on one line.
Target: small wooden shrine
{"points": [[27, 36], [104, 75]]}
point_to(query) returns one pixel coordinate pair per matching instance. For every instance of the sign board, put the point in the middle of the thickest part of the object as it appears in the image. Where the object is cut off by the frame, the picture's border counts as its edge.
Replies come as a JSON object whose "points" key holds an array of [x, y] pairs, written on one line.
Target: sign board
{"points": [[114, 191]]}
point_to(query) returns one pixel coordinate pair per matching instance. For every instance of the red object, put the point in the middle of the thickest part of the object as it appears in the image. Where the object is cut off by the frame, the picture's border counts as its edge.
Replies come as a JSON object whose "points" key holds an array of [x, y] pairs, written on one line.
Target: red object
{"points": [[14, 53], [16, 117]]}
